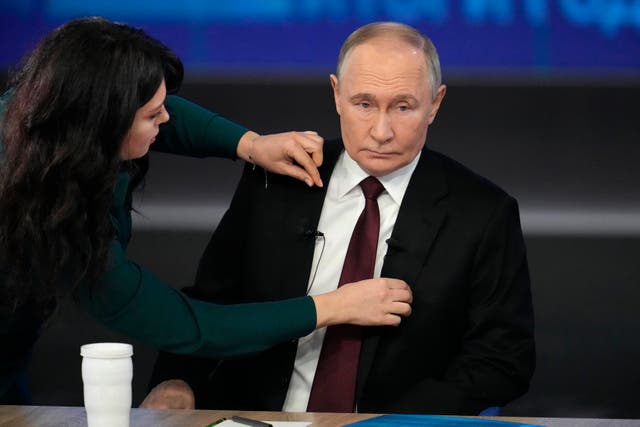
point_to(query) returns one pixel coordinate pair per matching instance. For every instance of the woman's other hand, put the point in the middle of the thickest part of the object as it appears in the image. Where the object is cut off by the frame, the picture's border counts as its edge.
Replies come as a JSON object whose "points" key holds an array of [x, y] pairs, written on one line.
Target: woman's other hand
{"points": [[369, 302], [297, 154]]}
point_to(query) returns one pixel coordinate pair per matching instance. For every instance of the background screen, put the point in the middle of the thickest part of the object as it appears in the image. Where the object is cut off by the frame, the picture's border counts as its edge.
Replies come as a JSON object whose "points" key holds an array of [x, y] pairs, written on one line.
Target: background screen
{"points": [[477, 39]]}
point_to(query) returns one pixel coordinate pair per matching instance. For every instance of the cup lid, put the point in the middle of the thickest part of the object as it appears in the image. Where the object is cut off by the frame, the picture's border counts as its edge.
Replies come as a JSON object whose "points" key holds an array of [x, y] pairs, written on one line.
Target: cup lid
{"points": [[106, 350]]}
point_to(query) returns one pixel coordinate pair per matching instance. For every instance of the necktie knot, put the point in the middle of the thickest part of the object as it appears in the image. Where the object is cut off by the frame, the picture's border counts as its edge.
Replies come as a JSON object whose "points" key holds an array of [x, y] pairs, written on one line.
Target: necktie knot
{"points": [[371, 187]]}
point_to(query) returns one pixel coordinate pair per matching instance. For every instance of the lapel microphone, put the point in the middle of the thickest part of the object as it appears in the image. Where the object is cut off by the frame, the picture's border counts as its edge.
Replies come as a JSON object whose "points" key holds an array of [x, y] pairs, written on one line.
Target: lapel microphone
{"points": [[312, 233], [393, 245]]}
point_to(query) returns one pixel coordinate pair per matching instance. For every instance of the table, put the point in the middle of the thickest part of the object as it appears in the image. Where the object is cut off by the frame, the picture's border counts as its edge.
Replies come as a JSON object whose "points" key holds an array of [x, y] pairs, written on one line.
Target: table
{"points": [[49, 416]]}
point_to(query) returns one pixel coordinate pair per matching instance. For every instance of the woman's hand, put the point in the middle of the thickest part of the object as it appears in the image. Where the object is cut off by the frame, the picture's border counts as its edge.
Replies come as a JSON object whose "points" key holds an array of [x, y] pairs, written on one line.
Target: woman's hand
{"points": [[297, 154], [369, 302], [170, 394]]}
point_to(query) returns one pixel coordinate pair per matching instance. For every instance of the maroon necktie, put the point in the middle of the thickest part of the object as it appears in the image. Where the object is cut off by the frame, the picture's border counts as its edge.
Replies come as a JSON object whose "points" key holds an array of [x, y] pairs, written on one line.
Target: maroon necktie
{"points": [[334, 385]]}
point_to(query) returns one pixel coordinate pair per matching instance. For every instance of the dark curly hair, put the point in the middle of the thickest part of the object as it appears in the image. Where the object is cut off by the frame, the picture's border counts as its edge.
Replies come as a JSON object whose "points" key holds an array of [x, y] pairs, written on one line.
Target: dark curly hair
{"points": [[73, 102]]}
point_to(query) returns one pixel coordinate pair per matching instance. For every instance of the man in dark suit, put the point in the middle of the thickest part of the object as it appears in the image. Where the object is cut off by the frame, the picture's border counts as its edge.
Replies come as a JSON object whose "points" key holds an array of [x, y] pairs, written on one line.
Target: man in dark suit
{"points": [[454, 237]]}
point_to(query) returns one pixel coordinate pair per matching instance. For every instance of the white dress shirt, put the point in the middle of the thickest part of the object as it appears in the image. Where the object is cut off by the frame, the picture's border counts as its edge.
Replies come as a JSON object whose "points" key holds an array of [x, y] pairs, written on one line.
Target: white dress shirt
{"points": [[343, 204]]}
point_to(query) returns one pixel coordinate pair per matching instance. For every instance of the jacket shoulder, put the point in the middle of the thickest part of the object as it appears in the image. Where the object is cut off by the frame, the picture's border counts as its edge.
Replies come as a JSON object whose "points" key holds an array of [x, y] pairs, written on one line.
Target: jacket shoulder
{"points": [[462, 181]]}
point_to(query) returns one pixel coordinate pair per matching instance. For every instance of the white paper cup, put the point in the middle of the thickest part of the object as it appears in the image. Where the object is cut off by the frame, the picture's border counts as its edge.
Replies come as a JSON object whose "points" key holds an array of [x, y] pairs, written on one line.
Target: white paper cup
{"points": [[107, 371]]}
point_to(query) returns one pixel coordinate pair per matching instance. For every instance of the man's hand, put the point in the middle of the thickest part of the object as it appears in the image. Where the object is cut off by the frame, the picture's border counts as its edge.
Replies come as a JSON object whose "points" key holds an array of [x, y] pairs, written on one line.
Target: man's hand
{"points": [[170, 394], [371, 302], [297, 154]]}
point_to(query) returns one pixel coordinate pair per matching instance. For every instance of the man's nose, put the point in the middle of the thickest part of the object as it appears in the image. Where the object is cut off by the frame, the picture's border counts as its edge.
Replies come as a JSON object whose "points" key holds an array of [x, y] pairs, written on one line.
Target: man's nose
{"points": [[381, 129]]}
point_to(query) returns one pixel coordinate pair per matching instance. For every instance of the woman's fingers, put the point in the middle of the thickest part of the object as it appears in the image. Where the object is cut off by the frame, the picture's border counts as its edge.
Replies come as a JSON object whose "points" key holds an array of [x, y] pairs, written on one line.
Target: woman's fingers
{"points": [[296, 154], [369, 302], [305, 156]]}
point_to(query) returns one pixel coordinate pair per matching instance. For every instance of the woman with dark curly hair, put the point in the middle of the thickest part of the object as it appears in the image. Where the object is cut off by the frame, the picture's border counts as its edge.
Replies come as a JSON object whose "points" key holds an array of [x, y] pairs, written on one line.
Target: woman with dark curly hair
{"points": [[77, 123]]}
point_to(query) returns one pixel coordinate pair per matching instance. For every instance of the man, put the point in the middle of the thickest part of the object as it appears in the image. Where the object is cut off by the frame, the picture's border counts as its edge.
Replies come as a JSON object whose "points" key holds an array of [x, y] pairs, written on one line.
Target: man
{"points": [[454, 237]]}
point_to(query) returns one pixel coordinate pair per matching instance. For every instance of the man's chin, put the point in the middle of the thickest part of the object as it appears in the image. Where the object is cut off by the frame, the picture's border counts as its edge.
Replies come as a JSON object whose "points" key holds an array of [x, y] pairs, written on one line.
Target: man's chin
{"points": [[378, 166]]}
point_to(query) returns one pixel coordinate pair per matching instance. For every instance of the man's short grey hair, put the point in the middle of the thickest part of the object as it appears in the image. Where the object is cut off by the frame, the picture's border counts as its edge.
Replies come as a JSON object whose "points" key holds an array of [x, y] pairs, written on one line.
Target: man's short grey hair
{"points": [[395, 30]]}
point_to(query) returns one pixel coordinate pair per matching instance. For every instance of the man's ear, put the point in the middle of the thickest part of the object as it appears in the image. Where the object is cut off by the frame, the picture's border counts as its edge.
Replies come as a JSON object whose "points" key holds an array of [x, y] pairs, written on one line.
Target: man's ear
{"points": [[436, 103], [336, 93]]}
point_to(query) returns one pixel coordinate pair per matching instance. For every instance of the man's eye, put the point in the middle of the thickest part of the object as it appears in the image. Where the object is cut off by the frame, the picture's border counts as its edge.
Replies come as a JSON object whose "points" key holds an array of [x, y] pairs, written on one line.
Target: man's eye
{"points": [[403, 107], [364, 105]]}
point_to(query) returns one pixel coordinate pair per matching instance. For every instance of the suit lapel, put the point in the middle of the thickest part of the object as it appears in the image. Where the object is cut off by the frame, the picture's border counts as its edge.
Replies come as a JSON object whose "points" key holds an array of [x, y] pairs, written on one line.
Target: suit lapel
{"points": [[420, 217], [418, 221]]}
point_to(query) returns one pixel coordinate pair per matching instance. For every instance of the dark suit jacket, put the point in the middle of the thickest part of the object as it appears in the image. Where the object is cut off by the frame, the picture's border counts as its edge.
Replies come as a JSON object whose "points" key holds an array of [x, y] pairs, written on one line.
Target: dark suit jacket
{"points": [[457, 242]]}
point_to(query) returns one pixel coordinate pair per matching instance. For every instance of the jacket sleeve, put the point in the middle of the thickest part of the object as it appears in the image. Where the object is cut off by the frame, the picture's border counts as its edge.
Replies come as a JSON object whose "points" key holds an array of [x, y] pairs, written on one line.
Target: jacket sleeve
{"points": [[134, 302], [197, 132], [497, 354]]}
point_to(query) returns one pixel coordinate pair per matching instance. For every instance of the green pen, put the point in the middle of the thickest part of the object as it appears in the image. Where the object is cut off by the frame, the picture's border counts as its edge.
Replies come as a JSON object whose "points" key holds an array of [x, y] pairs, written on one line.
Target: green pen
{"points": [[216, 422]]}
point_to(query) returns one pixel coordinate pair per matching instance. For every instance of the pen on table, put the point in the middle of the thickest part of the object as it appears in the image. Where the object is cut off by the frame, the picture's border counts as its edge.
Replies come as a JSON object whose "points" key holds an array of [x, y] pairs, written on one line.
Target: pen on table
{"points": [[250, 422], [216, 422]]}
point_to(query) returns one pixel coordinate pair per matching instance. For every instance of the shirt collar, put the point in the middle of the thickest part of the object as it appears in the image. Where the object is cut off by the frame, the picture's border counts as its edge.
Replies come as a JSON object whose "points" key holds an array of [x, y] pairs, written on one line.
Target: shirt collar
{"points": [[349, 174]]}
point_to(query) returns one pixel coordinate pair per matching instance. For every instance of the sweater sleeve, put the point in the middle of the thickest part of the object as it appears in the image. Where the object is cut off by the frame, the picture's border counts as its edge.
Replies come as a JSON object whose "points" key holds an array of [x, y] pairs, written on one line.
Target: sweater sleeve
{"points": [[197, 132], [134, 302]]}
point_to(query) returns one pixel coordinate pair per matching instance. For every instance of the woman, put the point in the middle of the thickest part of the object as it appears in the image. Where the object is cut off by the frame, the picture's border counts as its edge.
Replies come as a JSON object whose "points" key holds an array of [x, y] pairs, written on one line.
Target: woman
{"points": [[78, 122]]}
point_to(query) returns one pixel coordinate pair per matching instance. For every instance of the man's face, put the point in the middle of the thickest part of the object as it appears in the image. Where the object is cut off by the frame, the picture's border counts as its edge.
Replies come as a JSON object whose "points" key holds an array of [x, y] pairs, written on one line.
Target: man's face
{"points": [[385, 104]]}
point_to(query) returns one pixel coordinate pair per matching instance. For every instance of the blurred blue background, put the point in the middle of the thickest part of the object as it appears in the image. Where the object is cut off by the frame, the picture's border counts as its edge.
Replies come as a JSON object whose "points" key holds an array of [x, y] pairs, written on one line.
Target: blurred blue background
{"points": [[542, 99], [593, 39]]}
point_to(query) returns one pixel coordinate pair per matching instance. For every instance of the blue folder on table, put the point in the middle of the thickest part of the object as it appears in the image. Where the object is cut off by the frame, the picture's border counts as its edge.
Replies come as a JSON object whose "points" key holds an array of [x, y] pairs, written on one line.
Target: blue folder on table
{"points": [[434, 421]]}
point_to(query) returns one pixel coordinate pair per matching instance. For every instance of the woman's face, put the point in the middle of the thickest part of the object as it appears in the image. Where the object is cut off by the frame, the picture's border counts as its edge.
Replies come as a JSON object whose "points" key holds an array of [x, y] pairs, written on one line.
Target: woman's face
{"points": [[145, 126]]}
